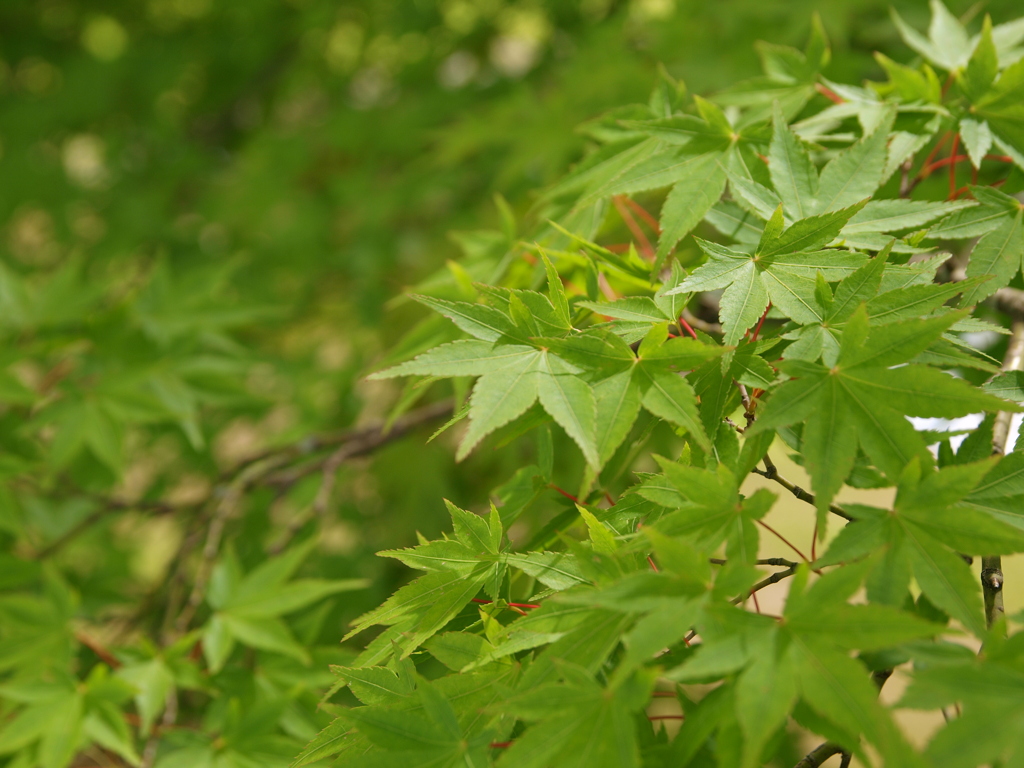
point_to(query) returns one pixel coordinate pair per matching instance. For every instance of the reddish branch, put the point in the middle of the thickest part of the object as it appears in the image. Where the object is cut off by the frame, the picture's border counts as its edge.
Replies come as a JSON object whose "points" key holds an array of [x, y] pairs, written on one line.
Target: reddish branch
{"points": [[510, 605], [643, 214], [96, 647], [829, 94], [645, 245], [567, 495], [952, 167], [783, 539], [687, 327]]}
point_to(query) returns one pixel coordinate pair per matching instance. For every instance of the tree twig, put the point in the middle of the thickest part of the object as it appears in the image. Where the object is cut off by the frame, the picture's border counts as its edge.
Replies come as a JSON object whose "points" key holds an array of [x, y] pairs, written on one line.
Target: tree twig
{"points": [[819, 755], [992, 565], [225, 510], [350, 443], [779, 562], [263, 472], [153, 742], [361, 443], [107, 506], [775, 578], [771, 472]]}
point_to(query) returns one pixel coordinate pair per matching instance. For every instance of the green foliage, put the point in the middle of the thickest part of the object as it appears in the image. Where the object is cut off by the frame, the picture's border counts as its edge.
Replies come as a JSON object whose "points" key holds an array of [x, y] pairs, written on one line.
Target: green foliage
{"points": [[207, 205], [794, 300]]}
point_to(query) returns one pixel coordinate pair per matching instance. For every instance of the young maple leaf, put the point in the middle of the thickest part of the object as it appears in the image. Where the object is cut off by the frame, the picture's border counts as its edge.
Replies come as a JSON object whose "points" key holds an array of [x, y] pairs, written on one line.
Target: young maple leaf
{"points": [[456, 571], [805, 658], [925, 534], [988, 692], [864, 397], [989, 72], [627, 381], [890, 292], [430, 736], [1000, 251], [782, 269], [578, 722], [710, 509]]}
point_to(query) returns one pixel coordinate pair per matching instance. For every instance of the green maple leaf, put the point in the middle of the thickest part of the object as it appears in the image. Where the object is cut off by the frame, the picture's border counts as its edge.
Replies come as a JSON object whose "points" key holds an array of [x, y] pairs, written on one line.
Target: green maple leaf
{"points": [[789, 79], [862, 399], [456, 571], [989, 72], [988, 694], [804, 657], [1000, 251], [1002, 114], [947, 45], [514, 374], [248, 608], [868, 229], [627, 381], [429, 735], [1001, 492], [578, 723], [664, 603], [709, 508], [871, 285], [848, 179], [925, 534], [782, 266], [711, 143]]}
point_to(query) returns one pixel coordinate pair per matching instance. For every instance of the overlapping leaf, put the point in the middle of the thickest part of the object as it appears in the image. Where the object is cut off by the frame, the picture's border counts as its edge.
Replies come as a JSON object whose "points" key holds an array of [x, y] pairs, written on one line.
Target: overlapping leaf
{"points": [[782, 269], [862, 399]]}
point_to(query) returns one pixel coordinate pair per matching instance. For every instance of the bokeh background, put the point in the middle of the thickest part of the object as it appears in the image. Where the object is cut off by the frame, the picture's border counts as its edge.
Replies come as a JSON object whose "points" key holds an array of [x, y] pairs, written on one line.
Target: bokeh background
{"points": [[209, 210]]}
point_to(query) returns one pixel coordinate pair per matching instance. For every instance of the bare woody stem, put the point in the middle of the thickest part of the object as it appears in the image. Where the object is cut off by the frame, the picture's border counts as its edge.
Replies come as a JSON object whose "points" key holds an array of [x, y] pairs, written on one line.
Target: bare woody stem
{"points": [[992, 565], [224, 511], [263, 471], [819, 755], [107, 507], [775, 578], [279, 468], [771, 472]]}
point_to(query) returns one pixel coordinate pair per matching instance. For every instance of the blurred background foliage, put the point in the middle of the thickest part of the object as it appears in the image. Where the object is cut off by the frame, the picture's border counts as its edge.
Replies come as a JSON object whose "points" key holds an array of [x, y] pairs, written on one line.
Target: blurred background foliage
{"points": [[207, 209]]}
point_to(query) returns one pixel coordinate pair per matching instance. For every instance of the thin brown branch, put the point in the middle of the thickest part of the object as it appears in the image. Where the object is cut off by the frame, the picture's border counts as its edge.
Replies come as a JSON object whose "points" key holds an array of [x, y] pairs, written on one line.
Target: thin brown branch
{"points": [[99, 649], [771, 472], [264, 472], [775, 578], [357, 442], [818, 756], [226, 509], [778, 562], [823, 752], [783, 539], [312, 444], [992, 565], [107, 506], [363, 442]]}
